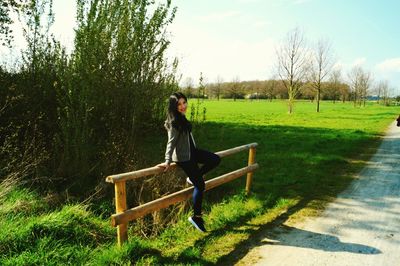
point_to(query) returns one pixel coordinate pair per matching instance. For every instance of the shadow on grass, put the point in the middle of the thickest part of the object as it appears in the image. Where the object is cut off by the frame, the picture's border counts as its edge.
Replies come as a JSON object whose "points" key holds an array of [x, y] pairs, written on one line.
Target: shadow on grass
{"points": [[295, 162], [189, 256], [255, 235]]}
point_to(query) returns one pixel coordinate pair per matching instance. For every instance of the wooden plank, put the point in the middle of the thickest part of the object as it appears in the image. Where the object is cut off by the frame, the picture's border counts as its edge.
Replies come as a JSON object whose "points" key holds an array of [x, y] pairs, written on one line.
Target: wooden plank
{"points": [[120, 206], [249, 179], [236, 150], [155, 205], [158, 170], [137, 174]]}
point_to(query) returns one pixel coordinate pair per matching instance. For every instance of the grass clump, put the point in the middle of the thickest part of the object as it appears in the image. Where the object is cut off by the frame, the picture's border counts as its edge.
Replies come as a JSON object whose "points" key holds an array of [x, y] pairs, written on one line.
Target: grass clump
{"points": [[38, 235]]}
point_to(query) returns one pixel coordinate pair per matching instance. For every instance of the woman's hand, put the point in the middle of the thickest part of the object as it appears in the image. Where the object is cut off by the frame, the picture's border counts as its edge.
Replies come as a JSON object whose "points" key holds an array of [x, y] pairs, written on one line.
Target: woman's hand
{"points": [[164, 165]]}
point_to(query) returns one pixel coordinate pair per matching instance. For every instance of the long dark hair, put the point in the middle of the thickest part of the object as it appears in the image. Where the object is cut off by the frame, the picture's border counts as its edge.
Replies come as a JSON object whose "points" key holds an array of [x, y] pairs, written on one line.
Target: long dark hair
{"points": [[174, 118]]}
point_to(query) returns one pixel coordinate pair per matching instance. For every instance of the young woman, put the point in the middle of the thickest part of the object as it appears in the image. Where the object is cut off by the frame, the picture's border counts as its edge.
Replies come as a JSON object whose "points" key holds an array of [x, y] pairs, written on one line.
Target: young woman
{"points": [[182, 149]]}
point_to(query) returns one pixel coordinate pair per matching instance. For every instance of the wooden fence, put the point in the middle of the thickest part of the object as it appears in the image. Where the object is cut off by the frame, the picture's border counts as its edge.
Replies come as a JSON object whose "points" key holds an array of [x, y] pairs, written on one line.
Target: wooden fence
{"points": [[124, 215]]}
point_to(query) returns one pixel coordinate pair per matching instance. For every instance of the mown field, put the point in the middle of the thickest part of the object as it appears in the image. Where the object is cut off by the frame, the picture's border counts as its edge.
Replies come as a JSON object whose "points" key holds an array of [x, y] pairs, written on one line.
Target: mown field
{"points": [[305, 159]]}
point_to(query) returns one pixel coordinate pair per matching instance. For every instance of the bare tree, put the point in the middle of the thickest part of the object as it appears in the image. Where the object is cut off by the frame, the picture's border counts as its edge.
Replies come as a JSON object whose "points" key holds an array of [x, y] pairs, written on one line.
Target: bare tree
{"points": [[360, 82], [292, 64], [269, 88], [217, 88], [336, 82], [256, 89], [308, 91], [378, 91], [235, 88], [321, 65], [188, 87], [383, 91], [354, 77], [365, 85]]}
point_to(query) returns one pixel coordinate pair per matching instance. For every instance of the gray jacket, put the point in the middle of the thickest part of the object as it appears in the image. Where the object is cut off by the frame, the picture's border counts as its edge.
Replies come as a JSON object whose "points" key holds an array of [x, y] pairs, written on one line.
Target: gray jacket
{"points": [[178, 146]]}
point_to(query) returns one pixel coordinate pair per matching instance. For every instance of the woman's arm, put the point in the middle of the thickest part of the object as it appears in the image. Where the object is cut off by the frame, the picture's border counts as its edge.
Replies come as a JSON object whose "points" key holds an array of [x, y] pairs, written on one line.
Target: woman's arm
{"points": [[171, 144], [173, 135]]}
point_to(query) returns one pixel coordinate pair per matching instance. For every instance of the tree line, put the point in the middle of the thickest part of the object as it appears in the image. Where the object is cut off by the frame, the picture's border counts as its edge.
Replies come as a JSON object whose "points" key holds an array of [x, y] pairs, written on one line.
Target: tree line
{"points": [[267, 89]]}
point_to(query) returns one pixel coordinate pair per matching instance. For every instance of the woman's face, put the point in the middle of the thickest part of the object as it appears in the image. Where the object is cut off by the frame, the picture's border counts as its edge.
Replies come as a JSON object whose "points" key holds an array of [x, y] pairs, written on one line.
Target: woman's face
{"points": [[182, 106]]}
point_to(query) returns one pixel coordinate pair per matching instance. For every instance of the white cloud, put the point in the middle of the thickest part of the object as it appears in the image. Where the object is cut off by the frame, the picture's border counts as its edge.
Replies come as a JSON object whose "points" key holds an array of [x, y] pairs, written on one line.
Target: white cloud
{"points": [[359, 61], [389, 70], [347, 66], [199, 51], [220, 16], [389, 65], [338, 65]]}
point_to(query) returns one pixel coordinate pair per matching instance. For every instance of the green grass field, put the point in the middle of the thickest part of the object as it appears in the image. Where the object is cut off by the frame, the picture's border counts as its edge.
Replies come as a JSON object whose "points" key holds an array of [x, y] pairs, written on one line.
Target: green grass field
{"points": [[305, 159]]}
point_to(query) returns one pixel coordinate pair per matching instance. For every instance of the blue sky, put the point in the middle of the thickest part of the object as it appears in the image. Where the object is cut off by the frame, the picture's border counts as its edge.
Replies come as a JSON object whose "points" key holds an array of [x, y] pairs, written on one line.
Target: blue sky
{"points": [[237, 38]]}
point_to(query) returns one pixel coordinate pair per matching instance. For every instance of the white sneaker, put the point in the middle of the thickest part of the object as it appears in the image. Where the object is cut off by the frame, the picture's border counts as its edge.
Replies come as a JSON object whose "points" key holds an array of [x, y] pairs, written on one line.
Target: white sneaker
{"points": [[198, 223], [188, 181]]}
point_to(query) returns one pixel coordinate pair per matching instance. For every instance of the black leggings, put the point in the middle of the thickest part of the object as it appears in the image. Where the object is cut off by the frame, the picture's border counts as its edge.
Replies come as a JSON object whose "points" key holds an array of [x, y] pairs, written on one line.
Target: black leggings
{"points": [[209, 160]]}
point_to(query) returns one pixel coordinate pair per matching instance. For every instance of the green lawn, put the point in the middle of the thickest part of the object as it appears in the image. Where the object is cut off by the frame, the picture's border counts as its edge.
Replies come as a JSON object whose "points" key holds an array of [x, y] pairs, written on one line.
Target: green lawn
{"points": [[305, 159]]}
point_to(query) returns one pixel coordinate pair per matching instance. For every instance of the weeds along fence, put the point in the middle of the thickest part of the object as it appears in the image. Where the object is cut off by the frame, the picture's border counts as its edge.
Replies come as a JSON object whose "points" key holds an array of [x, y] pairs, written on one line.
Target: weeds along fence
{"points": [[123, 215]]}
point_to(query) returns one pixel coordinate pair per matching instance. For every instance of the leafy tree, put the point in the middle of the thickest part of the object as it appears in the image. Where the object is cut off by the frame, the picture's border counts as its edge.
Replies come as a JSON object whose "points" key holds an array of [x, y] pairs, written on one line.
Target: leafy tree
{"points": [[83, 112], [117, 81], [6, 8]]}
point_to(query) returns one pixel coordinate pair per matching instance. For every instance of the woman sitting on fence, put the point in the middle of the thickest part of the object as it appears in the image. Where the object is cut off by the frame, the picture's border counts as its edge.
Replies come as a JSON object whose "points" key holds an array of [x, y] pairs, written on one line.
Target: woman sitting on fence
{"points": [[182, 149]]}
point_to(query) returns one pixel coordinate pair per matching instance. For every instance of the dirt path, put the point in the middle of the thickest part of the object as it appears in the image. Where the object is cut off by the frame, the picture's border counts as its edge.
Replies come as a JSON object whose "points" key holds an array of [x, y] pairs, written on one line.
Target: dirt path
{"points": [[361, 227]]}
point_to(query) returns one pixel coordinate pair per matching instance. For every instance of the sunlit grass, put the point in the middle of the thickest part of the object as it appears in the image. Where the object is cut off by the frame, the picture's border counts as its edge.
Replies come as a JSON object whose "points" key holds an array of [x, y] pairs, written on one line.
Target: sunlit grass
{"points": [[372, 118], [305, 159]]}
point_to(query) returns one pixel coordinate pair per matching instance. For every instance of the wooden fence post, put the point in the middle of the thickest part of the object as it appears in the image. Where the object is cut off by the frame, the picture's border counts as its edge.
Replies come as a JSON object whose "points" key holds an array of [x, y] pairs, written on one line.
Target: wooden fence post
{"points": [[120, 204], [249, 179]]}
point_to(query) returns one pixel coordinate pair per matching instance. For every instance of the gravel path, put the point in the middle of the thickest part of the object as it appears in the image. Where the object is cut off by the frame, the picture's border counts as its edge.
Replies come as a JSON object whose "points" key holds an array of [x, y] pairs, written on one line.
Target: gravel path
{"points": [[361, 227]]}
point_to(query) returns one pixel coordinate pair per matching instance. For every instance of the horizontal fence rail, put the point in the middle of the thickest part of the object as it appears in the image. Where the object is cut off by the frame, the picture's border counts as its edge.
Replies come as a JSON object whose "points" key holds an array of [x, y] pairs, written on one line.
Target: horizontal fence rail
{"points": [[176, 197], [123, 216]]}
